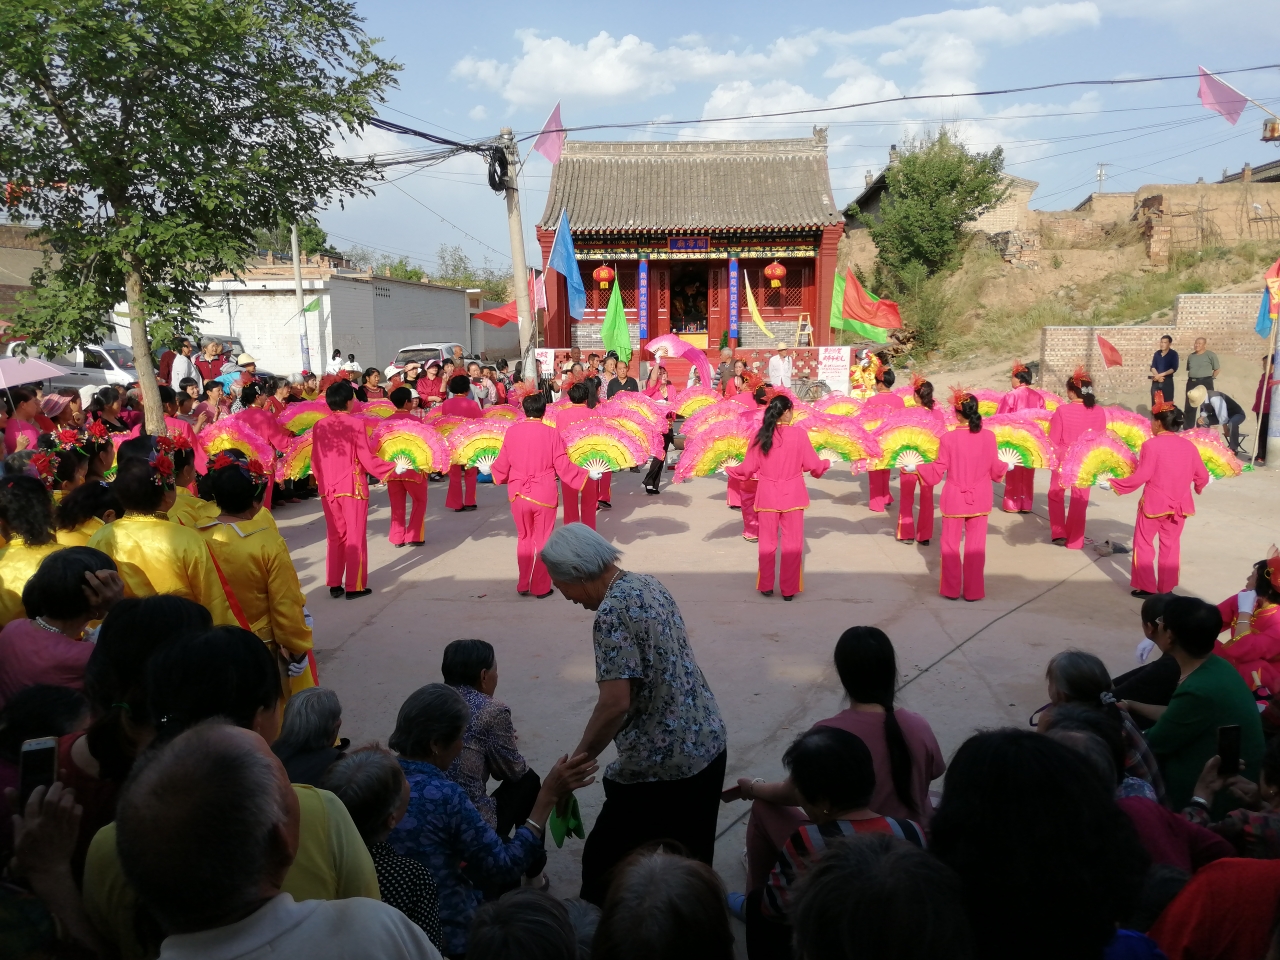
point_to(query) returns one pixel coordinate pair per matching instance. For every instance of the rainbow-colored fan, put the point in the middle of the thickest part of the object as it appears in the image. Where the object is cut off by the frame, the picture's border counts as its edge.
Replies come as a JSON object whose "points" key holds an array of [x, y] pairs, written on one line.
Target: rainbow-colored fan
{"points": [[838, 438], [1133, 428], [300, 417], [411, 443], [477, 443], [597, 444], [1020, 442], [689, 401], [1097, 455], [907, 438], [295, 463], [715, 446], [230, 434], [379, 408], [646, 433], [715, 413], [838, 405], [502, 412], [642, 405], [988, 401], [1217, 458], [1051, 400]]}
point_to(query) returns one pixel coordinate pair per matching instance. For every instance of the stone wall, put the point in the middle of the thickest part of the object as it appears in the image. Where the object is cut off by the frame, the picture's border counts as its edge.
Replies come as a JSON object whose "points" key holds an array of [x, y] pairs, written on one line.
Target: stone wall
{"points": [[1226, 320], [1064, 231]]}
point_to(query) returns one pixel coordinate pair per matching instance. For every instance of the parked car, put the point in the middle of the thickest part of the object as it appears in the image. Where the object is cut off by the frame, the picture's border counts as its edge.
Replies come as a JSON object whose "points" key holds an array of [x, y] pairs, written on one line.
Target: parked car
{"points": [[423, 353], [97, 365]]}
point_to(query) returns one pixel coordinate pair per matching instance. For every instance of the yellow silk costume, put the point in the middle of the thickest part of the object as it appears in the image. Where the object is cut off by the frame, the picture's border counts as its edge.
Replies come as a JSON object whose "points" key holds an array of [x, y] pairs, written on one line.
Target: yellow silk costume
{"points": [[190, 511], [155, 556], [81, 535], [17, 564], [255, 561]]}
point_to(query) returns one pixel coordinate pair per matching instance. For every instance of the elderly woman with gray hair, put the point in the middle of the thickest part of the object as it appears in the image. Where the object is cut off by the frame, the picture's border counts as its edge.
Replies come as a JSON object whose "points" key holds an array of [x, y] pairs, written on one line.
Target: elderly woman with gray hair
{"points": [[308, 743], [442, 829], [654, 704]]}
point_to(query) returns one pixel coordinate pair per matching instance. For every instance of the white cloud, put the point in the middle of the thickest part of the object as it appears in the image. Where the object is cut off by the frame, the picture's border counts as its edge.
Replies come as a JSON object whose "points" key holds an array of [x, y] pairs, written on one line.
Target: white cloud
{"points": [[478, 112]]}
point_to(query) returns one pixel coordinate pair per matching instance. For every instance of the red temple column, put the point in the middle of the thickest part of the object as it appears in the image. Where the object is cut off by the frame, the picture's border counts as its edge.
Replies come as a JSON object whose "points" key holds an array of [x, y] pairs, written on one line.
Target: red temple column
{"points": [[824, 275]]}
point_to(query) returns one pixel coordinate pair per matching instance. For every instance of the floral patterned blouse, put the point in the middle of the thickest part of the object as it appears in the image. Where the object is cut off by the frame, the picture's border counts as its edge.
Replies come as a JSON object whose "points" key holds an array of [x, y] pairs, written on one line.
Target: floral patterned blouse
{"points": [[673, 729], [488, 750], [442, 830]]}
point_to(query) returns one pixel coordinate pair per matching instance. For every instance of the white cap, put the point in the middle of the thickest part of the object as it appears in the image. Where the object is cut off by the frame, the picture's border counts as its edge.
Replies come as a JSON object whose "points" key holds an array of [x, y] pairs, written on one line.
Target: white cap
{"points": [[87, 394], [244, 360]]}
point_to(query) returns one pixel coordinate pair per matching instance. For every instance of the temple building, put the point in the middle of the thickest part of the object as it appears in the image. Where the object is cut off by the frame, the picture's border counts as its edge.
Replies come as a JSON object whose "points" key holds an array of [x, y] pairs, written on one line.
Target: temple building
{"points": [[685, 226]]}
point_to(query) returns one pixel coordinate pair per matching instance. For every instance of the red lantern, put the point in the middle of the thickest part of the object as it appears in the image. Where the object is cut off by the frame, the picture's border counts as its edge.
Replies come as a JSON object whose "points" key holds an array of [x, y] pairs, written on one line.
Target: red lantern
{"points": [[604, 275], [775, 272]]}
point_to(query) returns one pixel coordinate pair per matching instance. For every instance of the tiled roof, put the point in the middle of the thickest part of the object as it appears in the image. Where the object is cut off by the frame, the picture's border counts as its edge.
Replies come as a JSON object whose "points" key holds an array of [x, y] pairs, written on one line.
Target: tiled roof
{"points": [[682, 186]]}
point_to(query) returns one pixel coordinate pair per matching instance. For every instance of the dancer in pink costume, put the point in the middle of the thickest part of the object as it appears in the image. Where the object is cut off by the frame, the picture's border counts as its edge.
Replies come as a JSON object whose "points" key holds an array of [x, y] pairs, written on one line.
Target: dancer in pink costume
{"points": [[410, 484], [910, 529], [1066, 425], [968, 460], [460, 404], [532, 456], [879, 479], [747, 488], [778, 458], [1169, 466], [579, 503], [341, 462], [1020, 482]]}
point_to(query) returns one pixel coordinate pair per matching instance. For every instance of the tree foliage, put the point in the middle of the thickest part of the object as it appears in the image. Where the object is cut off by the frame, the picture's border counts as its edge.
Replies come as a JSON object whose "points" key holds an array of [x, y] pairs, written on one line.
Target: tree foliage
{"points": [[312, 239], [936, 188], [453, 269], [153, 139]]}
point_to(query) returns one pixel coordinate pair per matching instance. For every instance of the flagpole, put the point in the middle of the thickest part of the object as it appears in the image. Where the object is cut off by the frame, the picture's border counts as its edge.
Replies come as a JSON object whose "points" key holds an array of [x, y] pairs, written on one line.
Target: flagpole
{"points": [[519, 271], [1242, 93], [297, 289], [1266, 388]]}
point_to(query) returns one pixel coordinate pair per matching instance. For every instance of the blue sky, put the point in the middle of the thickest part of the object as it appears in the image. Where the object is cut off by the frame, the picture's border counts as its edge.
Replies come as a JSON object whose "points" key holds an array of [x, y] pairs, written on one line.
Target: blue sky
{"points": [[470, 69]]}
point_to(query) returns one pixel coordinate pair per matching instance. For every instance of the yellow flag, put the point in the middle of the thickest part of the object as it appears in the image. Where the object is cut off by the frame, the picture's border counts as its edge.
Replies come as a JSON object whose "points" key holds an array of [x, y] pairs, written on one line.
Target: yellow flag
{"points": [[751, 305]]}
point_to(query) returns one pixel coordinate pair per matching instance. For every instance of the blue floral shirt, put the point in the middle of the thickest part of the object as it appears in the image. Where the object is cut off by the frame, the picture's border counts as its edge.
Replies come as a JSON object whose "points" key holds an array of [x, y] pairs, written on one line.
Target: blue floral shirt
{"points": [[442, 830], [673, 729]]}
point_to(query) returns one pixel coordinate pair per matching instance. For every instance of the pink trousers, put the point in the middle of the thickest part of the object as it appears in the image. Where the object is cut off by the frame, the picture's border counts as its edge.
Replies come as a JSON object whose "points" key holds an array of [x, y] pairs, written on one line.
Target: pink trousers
{"points": [[750, 519], [880, 495], [1063, 522], [1019, 489], [733, 493], [604, 487], [768, 830], [455, 499], [415, 531], [968, 569], [534, 525], [791, 523], [346, 549], [580, 504], [908, 530], [1146, 530]]}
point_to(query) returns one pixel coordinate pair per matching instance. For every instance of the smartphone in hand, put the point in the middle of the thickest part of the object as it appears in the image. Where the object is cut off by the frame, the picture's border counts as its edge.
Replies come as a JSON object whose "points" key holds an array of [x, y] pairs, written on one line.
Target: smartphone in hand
{"points": [[1229, 751], [38, 767]]}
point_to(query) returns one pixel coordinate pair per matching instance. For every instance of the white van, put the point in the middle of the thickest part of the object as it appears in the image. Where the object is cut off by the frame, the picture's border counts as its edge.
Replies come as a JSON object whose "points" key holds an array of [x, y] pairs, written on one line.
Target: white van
{"points": [[97, 365]]}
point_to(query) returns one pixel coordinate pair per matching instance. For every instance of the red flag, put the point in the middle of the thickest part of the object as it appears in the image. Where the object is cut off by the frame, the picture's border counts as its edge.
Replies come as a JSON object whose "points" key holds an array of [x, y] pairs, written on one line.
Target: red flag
{"points": [[499, 316], [1110, 355], [866, 308]]}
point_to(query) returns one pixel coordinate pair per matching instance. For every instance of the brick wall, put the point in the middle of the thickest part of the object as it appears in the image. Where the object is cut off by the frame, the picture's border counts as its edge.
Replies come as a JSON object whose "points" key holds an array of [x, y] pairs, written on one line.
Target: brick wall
{"points": [[1225, 319], [1070, 231]]}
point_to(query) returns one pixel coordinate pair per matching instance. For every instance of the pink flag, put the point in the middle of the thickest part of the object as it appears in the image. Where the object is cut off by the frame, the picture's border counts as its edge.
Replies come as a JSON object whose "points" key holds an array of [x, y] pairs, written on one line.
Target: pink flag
{"points": [[1220, 97], [537, 291], [551, 140]]}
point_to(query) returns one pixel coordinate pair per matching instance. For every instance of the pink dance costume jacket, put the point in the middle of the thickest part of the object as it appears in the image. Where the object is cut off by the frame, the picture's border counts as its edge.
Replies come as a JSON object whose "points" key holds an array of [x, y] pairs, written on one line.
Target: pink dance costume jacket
{"points": [[462, 483], [1066, 425], [781, 498], [1255, 653], [909, 526], [532, 456], [878, 480], [341, 461], [970, 464], [579, 502], [1168, 468]]}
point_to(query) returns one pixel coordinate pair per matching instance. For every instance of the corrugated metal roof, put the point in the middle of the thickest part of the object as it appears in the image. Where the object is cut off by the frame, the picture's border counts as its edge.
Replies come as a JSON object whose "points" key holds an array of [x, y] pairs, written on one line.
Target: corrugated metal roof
{"points": [[717, 185]]}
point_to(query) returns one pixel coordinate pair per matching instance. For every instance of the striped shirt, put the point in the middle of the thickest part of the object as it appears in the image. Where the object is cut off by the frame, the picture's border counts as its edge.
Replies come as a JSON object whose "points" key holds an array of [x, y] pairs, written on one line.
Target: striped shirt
{"points": [[808, 843]]}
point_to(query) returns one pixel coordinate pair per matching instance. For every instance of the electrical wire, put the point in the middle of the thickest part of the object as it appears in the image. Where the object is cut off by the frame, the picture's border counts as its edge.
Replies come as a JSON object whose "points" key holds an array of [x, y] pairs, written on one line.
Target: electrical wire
{"points": [[505, 256]]}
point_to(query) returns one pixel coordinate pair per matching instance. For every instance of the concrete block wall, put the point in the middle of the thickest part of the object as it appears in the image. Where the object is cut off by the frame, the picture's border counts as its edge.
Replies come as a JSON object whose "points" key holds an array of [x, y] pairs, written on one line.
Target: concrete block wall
{"points": [[1226, 320], [266, 322]]}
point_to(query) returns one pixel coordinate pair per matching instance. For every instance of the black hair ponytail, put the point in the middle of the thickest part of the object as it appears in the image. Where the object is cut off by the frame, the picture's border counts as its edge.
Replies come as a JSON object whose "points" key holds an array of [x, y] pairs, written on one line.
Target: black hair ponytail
{"points": [[774, 412], [1079, 385], [969, 410], [887, 377], [1023, 376], [924, 393], [1170, 419]]}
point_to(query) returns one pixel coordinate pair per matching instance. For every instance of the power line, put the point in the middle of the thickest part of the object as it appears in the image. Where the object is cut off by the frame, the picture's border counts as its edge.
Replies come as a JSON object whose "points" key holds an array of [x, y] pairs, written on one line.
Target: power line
{"points": [[445, 219]]}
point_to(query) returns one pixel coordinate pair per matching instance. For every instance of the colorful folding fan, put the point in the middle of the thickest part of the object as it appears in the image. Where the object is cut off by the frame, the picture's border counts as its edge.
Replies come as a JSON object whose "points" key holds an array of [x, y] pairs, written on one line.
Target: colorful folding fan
{"points": [[379, 408], [839, 438], [446, 425], [640, 403], [1020, 442], [597, 444], [1097, 455], [232, 434], [715, 413], [715, 446], [988, 400], [1217, 458], [907, 438], [837, 404], [413, 443], [300, 417], [689, 401], [477, 442], [295, 463], [1050, 399], [646, 432], [502, 412], [1133, 428]]}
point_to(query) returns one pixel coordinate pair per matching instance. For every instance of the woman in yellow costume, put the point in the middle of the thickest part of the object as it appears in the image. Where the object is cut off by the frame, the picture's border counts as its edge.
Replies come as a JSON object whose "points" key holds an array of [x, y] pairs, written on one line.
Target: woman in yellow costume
{"points": [[26, 521], [188, 509], [84, 511], [863, 375], [153, 554], [255, 561]]}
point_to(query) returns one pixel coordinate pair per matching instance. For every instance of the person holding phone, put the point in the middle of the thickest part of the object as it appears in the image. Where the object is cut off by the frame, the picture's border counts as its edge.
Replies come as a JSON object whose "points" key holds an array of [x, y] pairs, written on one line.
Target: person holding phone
{"points": [[1210, 695]]}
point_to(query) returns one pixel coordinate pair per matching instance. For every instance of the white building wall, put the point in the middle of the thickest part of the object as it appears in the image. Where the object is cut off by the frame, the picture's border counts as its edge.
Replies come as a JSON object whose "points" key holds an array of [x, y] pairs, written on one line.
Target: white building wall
{"points": [[408, 313], [350, 321]]}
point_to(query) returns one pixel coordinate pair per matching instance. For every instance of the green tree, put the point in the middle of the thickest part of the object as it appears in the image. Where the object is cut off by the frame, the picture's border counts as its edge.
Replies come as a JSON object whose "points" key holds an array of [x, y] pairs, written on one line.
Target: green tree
{"points": [[152, 139], [936, 188], [312, 239], [398, 268], [455, 269]]}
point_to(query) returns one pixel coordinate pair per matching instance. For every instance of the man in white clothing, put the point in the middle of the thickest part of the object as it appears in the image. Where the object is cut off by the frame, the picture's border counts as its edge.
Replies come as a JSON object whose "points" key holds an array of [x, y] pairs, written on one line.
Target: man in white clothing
{"points": [[184, 366], [780, 367], [207, 827]]}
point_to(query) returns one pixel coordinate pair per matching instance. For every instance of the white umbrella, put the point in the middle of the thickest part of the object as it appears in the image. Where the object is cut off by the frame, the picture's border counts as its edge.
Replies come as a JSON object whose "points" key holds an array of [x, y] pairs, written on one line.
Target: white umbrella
{"points": [[18, 370]]}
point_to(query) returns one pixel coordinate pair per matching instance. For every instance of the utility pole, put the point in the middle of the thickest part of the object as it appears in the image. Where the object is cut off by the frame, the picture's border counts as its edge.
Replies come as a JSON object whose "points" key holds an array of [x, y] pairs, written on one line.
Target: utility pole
{"points": [[519, 272], [302, 307], [1102, 175]]}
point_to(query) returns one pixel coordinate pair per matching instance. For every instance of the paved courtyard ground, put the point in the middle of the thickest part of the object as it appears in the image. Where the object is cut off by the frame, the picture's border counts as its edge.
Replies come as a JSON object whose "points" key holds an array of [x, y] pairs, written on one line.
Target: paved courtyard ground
{"points": [[965, 666]]}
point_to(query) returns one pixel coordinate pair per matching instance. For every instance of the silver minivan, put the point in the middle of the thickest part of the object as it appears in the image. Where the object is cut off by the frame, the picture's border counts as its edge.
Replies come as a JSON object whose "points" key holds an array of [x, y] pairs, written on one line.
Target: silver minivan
{"points": [[96, 365]]}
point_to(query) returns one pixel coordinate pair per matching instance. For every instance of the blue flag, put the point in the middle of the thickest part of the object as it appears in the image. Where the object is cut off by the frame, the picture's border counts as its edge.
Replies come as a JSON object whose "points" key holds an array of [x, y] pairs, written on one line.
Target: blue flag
{"points": [[562, 262], [1263, 327]]}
